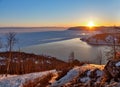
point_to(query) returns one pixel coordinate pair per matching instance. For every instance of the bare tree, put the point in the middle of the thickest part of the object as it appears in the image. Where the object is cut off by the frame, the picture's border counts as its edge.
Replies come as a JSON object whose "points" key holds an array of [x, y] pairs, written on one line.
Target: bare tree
{"points": [[99, 56], [114, 44], [1, 45], [71, 57], [11, 40]]}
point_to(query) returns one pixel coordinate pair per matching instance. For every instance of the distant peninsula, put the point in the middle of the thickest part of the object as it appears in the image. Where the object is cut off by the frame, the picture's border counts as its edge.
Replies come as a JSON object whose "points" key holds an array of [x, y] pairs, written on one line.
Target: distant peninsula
{"points": [[100, 28], [103, 39]]}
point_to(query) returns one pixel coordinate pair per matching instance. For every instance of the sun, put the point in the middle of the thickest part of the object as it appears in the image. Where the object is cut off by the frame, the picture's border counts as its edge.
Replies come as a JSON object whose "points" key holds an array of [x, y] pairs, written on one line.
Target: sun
{"points": [[90, 24]]}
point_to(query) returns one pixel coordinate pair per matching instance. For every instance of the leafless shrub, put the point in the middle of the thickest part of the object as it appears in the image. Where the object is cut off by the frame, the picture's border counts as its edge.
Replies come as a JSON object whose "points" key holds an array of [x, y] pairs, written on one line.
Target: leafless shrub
{"points": [[10, 42]]}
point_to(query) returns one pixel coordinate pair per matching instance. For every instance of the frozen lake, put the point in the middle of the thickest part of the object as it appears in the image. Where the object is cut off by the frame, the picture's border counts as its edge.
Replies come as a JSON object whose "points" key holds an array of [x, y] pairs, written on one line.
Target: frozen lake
{"points": [[62, 50]]}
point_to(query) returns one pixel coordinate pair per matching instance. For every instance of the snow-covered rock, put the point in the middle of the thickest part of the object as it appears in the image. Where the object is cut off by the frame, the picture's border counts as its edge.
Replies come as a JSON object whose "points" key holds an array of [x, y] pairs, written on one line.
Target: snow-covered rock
{"points": [[19, 80], [81, 74], [67, 78]]}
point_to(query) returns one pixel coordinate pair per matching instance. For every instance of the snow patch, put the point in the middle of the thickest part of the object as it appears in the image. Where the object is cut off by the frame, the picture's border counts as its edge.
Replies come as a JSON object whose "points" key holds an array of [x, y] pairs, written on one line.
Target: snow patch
{"points": [[85, 79], [99, 73], [117, 64]]}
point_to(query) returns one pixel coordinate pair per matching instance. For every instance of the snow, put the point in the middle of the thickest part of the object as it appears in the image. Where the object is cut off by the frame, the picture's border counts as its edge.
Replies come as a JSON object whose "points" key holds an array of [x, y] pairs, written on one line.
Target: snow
{"points": [[85, 79], [117, 64], [48, 62], [109, 38], [18, 81], [2, 61], [67, 78], [36, 62], [99, 73], [1, 58], [88, 73]]}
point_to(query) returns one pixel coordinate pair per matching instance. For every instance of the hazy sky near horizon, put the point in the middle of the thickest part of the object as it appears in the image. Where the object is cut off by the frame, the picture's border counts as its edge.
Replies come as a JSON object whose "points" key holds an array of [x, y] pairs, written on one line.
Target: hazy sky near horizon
{"points": [[59, 12]]}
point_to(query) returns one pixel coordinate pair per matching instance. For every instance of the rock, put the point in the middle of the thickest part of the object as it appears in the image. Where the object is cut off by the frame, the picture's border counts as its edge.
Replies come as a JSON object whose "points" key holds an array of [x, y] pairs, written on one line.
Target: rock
{"points": [[112, 69], [111, 77]]}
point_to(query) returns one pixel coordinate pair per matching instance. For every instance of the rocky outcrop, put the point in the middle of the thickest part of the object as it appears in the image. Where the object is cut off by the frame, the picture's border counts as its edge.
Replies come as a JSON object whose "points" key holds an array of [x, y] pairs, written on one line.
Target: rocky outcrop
{"points": [[108, 77], [111, 77], [112, 69]]}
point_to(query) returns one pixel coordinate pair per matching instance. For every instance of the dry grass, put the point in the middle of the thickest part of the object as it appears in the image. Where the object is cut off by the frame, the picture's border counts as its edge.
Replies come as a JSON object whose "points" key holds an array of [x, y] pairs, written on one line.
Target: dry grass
{"points": [[39, 82]]}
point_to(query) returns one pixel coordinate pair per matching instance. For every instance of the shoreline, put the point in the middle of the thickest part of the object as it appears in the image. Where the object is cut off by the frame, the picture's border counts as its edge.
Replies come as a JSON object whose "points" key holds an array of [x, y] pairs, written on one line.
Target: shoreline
{"points": [[99, 44]]}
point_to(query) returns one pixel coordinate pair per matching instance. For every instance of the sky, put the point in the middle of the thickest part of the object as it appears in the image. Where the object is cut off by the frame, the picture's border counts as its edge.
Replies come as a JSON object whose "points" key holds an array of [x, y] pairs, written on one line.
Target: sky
{"points": [[60, 13]]}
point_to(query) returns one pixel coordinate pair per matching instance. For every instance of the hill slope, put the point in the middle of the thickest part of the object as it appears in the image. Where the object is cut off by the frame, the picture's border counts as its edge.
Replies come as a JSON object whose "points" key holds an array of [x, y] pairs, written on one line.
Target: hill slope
{"points": [[22, 63]]}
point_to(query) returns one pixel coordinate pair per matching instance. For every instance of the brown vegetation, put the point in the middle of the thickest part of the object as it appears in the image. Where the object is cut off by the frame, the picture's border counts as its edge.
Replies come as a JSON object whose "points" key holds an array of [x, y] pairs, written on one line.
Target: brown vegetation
{"points": [[22, 63]]}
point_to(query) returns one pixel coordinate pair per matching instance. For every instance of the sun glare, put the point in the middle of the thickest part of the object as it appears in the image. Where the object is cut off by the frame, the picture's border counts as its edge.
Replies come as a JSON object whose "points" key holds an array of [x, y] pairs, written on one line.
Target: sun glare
{"points": [[91, 24]]}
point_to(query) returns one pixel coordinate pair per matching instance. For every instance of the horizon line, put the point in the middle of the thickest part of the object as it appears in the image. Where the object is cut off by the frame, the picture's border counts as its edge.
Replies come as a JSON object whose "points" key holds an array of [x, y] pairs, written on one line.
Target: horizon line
{"points": [[55, 26]]}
